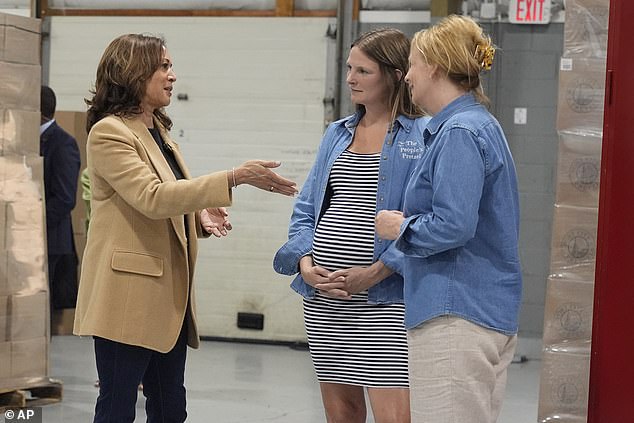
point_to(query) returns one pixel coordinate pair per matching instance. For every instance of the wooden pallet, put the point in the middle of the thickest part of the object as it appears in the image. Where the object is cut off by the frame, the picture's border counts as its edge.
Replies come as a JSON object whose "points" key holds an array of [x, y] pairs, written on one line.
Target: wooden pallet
{"points": [[48, 391]]}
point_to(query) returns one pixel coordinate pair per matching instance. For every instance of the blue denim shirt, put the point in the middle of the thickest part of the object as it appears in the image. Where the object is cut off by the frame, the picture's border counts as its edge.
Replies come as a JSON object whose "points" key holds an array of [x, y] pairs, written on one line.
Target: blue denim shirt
{"points": [[460, 234], [401, 151]]}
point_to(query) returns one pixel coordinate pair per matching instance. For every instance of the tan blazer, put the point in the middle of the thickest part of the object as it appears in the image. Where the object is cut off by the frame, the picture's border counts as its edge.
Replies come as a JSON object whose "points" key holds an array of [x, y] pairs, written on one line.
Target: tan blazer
{"points": [[137, 272]]}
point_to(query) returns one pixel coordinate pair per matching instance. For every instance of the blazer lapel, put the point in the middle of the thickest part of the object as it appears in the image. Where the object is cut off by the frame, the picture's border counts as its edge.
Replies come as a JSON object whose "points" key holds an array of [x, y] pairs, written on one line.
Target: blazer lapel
{"points": [[161, 166]]}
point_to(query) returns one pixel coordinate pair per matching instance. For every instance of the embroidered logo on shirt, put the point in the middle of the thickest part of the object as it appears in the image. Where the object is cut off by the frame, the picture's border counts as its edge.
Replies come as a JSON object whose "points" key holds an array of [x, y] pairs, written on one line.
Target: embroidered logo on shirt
{"points": [[409, 149]]}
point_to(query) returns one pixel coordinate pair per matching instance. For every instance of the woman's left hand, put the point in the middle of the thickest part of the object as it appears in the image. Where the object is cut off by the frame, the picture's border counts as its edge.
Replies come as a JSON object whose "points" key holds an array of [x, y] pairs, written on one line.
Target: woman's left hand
{"points": [[351, 281], [215, 221], [388, 224]]}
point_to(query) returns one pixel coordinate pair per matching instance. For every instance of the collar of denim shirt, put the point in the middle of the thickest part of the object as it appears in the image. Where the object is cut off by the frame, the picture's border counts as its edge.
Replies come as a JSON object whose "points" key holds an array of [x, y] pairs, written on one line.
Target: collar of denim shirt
{"points": [[352, 121], [436, 122]]}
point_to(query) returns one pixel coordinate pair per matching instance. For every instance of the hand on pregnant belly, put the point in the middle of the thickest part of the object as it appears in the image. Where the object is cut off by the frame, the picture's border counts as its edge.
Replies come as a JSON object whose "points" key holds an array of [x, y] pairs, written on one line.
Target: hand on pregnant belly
{"points": [[345, 282]]}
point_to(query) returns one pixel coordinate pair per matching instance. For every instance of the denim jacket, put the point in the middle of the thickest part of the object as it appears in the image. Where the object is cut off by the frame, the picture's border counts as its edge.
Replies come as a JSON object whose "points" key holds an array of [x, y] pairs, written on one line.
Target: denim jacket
{"points": [[460, 234], [401, 152]]}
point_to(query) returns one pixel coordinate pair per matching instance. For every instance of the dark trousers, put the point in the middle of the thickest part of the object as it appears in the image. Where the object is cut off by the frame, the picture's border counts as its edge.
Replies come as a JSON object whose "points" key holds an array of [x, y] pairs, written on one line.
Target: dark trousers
{"points": [[122, 367], [62, 280]]}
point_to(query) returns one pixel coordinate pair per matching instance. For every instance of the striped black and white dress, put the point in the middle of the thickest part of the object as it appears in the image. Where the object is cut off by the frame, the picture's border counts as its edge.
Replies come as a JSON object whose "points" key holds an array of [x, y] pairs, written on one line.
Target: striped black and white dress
{"points": [[352, 341]]}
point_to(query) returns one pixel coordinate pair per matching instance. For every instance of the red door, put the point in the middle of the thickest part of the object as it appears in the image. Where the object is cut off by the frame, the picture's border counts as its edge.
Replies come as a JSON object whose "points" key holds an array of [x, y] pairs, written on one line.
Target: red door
{"points": [[611, 394]]}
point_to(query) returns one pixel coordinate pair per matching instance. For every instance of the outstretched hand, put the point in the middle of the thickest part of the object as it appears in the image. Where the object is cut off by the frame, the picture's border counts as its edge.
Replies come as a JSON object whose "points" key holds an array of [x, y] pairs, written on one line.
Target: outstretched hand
{"points": [[214, 220], [258, 173]]}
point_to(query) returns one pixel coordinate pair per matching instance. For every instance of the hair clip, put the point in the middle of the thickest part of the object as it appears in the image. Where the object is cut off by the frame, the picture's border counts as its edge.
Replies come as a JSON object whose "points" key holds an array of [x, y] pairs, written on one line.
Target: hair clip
{"points": [[485, 54]]}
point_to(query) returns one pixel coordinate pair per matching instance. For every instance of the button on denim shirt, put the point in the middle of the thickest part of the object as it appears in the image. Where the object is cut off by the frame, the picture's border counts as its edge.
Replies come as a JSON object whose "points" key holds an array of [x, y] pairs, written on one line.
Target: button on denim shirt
{"points": [[461, 228], [400, 153]]}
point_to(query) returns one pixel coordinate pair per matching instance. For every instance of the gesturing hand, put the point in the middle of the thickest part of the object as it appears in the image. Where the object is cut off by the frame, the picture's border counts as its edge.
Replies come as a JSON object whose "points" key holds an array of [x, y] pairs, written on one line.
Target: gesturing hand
{"points": [[214, 220], [258, 173]]}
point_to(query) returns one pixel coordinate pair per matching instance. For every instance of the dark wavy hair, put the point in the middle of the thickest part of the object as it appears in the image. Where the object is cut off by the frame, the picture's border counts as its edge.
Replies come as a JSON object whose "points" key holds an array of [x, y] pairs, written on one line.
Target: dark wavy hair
{"points": [[389, 47], [126, 65]]}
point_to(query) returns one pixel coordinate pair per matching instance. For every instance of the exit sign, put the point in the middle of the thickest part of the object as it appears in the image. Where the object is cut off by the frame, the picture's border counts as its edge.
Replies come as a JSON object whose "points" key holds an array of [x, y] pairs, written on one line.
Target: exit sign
{"points": [[529, 11]]}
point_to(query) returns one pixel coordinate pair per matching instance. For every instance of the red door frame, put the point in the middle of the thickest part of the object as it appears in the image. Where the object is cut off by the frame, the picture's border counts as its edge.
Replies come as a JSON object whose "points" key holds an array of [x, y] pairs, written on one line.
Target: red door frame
{"points": [[611, 394]]}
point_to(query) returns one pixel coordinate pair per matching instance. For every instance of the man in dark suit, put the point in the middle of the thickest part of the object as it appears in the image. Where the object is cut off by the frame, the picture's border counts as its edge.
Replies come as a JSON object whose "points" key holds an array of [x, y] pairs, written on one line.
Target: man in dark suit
{"points": [[61, 171]]}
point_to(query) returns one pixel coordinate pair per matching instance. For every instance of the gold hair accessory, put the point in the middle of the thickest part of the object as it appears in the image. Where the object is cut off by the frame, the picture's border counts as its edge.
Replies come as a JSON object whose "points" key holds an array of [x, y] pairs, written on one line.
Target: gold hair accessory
{"points": [[484, 54]]}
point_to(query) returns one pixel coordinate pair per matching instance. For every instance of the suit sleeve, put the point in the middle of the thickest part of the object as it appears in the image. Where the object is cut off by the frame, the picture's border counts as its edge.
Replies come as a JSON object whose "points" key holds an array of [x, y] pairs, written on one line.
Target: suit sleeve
{"points": [[115, 157], [62, 191]]}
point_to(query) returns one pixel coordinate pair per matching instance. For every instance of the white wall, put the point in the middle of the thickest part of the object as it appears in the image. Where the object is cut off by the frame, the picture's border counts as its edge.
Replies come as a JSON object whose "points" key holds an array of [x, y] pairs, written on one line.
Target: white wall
{"points": [[255, 89], [16, 7]]}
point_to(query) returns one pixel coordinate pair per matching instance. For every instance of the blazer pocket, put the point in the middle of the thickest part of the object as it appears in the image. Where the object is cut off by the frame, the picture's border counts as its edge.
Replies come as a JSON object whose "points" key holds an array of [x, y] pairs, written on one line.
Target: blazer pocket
{"points": [[139, 263]]}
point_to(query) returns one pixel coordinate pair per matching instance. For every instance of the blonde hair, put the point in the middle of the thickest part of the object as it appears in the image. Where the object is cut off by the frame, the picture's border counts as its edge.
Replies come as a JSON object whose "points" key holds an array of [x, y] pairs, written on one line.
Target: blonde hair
{"points": [[458, 45]]}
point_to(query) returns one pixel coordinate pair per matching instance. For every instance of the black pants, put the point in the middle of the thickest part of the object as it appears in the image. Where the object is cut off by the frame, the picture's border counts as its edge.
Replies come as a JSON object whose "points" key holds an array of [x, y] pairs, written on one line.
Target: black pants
{"points": [[122, 367], [62, 280]]}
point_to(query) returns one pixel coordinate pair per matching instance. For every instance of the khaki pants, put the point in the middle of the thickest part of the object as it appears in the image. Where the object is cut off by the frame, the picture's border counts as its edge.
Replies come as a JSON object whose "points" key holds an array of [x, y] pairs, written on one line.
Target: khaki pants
{"points": [[457, 371]]}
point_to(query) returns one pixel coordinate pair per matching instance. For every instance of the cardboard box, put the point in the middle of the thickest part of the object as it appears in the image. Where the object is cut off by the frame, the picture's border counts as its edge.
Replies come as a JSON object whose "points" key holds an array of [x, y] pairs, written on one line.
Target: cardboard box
{"points": [[20, 86], [23, 359], [23, 316], [27, 316], [568, 311], [5, 359], [574, 242], [3, 225], [29, 358], [25, 214], [581, 95], [22, 233], [578, 169], [19, 132], [563, 387], [31, 240], [19, 39], [5, 280], [21, 178], [4, 319], [22, 272], [586, 28]]}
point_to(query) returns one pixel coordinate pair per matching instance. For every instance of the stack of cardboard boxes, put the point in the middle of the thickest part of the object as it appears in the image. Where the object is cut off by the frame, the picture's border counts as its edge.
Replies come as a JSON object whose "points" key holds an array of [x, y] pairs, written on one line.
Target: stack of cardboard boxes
{"points": [[24, 301], [570, 287]]}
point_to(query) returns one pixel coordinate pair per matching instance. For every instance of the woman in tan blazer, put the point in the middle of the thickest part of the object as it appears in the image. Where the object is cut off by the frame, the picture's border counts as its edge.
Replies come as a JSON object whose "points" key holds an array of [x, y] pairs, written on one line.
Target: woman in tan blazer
{"points": [[136, 296]]}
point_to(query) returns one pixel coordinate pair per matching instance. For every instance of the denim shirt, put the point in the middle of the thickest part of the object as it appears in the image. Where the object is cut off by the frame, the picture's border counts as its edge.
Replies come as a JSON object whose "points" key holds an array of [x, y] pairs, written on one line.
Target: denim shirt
{"points": [[461, 228], [401, 152]]}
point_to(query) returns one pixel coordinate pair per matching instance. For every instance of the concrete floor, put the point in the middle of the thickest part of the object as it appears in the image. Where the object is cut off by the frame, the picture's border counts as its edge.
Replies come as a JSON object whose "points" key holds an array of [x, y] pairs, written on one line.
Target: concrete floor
{"points": [[244, 383]]}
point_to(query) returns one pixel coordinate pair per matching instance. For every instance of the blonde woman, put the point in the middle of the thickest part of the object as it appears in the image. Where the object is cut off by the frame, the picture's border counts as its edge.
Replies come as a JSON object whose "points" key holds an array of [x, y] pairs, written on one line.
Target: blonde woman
{"points": [[459, 233]]}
